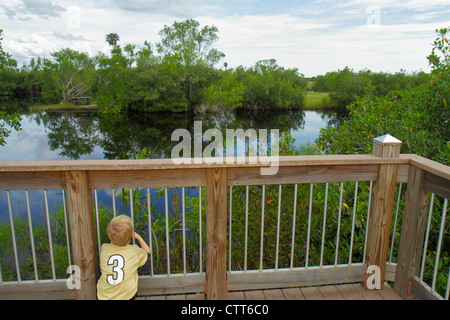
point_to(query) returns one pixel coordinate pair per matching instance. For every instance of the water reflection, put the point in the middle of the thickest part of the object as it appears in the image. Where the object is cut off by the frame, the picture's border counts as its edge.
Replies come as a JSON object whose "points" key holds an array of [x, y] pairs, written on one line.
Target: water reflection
{"points": [[90, 135]]}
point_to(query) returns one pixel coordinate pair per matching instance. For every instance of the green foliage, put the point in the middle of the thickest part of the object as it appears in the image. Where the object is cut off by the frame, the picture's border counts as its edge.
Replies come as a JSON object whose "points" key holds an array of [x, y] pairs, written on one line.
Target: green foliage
{"points": [[346, 85], [190, 50], [265, 85], [7, 72], [271, 86], [189, 45], [418, 117], [7, 85], [8, 119], [70, 73], [225, 93]]}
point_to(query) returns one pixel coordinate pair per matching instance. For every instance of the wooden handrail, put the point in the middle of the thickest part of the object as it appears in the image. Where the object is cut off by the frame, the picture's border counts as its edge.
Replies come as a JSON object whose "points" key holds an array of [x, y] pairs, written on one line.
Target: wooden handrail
{"points": [[162, 164]]}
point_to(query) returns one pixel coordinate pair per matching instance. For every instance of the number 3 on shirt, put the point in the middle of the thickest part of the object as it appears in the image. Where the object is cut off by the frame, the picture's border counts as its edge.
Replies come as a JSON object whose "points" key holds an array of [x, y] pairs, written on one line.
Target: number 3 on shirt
{"points": [[118, 275]]}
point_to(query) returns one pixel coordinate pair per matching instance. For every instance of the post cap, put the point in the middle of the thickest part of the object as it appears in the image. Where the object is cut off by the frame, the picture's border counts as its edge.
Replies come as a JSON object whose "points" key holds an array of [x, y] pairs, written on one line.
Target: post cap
{"points": [[387, 139]]}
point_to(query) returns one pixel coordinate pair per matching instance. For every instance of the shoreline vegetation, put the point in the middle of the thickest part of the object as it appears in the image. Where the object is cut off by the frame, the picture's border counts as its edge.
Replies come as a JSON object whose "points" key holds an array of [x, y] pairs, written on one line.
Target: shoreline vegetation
{"points": [[65, 106], [313, 101], [184, 72]]}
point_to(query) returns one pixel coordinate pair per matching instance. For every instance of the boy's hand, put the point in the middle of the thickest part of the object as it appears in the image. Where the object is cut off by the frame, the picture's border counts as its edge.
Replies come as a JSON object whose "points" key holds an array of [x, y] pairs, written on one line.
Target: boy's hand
{"points": [[142, 242]]}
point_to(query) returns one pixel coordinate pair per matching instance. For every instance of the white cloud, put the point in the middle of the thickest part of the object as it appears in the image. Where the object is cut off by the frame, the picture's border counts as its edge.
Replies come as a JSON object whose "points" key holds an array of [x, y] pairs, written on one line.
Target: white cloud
{"points": [[316, 37], [177, 8], [399, 4], [24, 8]]}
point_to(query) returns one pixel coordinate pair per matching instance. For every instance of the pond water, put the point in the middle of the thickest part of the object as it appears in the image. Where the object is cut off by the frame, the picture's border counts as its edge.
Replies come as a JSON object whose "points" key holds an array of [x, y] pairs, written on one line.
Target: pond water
{"points": [[90, 135]]}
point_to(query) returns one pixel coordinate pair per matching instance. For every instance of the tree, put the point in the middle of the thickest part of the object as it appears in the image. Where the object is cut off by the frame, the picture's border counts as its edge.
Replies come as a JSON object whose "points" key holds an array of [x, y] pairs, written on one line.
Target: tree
{"points": [[7, 72], [269, 85], [189, 47], [70, 72], [6, 60], [112, 39], [7, 64]]}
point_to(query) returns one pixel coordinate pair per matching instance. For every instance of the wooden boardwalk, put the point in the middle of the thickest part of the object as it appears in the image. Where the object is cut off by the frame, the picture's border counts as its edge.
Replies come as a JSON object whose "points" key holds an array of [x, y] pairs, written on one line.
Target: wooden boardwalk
{"points": [[332, 292]]}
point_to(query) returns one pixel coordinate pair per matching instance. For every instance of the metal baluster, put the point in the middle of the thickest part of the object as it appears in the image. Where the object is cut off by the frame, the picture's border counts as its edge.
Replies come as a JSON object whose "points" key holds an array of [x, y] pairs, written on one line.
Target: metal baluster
{"points": [[339, 224], [293, 226], [50, 243], [230, 223], [350, 252], [395, 221], [367, 221], [262, 228], [246, 229], [132, 213], [438, 250], [13, 236], [97, 221], [114, 202], [150, 238], [425, 245], [200, 227], [324, 224], [309, 225], [167, 230], [278, 227], [66, 224], [183, 209], [30, 226]]}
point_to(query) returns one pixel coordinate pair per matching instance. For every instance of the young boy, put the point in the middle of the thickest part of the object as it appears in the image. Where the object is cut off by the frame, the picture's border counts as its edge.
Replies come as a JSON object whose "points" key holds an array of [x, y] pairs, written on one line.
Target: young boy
{"points": [[119, 261]]}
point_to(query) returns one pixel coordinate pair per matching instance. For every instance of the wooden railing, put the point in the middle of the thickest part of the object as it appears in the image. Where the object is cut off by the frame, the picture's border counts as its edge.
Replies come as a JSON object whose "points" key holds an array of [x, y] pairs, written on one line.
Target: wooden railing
{"points": [[383, 169]]}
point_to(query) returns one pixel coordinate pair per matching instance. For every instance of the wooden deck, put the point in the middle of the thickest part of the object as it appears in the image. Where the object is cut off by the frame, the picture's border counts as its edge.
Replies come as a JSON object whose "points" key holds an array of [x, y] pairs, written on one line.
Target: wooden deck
{"points": [[333, 292]]}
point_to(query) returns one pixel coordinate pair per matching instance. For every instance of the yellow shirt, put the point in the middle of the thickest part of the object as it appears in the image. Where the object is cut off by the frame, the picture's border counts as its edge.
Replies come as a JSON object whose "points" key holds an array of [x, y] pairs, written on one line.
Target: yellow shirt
{"points": [[119, 278]]}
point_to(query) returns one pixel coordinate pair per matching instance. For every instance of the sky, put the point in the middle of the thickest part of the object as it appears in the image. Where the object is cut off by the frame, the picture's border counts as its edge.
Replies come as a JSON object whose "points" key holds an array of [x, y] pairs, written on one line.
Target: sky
{"points": [[315, 36]]}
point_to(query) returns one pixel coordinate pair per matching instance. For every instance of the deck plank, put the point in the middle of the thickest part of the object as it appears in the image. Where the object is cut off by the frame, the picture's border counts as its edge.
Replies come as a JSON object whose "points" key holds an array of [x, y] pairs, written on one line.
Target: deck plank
{"points": [[274, 294], [254, 295], [312, 293], [293, 294], [387, 293], [367, 294], [236, 295], [349, 292], [354, 291], [331, 293]]}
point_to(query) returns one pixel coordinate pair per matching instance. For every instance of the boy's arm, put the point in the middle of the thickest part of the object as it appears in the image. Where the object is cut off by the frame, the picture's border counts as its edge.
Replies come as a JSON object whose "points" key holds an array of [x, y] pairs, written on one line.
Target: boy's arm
{"points": [[142, 243]]}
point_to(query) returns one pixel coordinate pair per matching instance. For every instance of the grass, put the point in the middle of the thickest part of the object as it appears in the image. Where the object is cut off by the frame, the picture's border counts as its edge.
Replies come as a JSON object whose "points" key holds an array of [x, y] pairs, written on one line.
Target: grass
{"points": [[317, 100], [64, 106]]}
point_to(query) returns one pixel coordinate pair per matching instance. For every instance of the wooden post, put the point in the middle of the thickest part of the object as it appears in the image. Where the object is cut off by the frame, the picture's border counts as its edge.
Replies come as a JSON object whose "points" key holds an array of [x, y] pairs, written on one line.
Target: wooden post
{"points": [[382, 204], [216, 234], [82, 231], [413, 232]]}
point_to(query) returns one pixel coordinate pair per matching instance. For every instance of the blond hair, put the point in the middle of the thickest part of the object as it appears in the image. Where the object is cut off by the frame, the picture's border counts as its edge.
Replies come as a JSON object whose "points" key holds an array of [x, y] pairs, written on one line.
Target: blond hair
{"points": [[120, 230]]}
